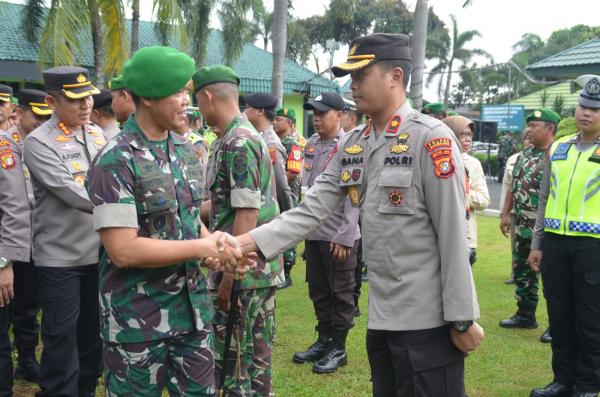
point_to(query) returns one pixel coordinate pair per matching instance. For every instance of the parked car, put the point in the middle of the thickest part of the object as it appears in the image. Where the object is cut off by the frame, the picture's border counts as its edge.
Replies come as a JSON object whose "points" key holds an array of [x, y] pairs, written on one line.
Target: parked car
{"points": [[482, 148]]}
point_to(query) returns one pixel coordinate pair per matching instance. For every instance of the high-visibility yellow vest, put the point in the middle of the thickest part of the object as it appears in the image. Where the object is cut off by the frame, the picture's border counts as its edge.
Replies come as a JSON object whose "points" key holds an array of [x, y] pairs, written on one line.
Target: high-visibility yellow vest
{"points": [[573, 206]]}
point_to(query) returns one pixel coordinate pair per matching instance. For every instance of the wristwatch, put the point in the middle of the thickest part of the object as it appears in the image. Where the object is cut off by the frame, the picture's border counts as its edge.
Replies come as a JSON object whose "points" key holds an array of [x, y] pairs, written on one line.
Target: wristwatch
{"points": [[461, 326], [5, 263]]}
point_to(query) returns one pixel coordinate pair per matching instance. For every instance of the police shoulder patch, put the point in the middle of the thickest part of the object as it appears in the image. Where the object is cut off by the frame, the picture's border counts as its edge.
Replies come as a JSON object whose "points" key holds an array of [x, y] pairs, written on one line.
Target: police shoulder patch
{"points": [[440, 150]]}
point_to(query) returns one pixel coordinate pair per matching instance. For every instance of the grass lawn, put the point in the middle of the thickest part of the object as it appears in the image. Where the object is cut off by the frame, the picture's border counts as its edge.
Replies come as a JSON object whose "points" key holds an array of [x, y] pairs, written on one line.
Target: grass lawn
{"points": [[508, 364]]}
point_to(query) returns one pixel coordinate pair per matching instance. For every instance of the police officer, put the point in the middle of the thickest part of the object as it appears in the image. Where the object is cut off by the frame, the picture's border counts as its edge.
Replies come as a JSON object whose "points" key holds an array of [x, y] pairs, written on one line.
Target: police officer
{"points": [[16, 202], [330, 251], [6, 107], [122, 102], [147, 188], [435, 110], [523, 199], [260, 110], [65, 247], [282, 125], [566, 248], [103, 115], [240, 198], [409, 182]]}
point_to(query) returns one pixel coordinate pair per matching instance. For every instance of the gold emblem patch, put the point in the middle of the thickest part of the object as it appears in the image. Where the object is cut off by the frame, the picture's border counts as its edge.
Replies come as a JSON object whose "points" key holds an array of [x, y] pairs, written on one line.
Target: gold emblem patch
{"points": [[81, 78], [346, 176], [354, 149], [353, 195], [537, 113], [399, 148]]}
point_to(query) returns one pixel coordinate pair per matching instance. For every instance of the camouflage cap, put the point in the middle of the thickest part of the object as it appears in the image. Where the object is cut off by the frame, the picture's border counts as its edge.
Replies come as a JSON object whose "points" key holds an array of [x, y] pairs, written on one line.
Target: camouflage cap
{"points": [[157, 72], [286, 112], [214, 74], [543, 114]]}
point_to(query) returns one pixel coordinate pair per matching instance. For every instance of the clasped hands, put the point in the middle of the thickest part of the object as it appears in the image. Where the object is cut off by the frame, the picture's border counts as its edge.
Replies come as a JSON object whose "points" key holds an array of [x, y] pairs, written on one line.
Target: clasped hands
{"points": [[225, 254]]}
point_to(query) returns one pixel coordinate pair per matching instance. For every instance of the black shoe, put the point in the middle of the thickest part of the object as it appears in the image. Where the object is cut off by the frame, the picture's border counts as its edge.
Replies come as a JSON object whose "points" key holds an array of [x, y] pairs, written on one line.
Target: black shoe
{"points": [[315, 351], [287, 271], [87, 387], [553, 390], [546, 337], [585, 394], [356, 311], [510, 281], [520, 321], [336, 355], [27, 368]]}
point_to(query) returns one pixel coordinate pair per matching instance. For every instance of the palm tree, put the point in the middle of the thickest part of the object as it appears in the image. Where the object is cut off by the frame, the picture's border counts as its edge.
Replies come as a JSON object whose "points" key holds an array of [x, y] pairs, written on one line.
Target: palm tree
{"points": [[266, 26], [455, 51], [239, 23], [135, 25], [419, 43], [279, 37]]}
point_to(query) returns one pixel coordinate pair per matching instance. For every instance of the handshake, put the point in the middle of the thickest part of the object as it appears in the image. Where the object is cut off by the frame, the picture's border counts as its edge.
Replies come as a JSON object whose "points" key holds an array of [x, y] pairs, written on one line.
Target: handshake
{"points": [[221, 252]]}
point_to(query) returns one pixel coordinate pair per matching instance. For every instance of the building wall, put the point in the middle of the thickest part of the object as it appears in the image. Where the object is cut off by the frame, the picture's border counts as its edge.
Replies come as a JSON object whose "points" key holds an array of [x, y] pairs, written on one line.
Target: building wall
{"points": [[295, 102]]}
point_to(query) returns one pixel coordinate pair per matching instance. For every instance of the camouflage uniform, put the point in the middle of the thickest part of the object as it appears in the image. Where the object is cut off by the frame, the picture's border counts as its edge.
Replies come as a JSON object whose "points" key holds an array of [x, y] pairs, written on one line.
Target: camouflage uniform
{"points": [[506, 147], [239, 176], [155, 322], [201, 145], [294, 164], [527, 177]]}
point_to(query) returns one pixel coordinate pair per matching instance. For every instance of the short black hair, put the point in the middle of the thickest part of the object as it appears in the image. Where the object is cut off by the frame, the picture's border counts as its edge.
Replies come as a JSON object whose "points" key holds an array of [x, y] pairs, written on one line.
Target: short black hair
{"points": [[359, 115], [135, 98], [388, 64], [554, 126], [270, 114], [106, 110]]}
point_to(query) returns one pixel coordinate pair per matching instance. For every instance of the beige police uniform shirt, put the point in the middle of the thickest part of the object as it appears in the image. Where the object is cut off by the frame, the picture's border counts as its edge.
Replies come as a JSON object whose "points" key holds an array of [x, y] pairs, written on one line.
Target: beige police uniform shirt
{"points": [[16, 198], [58, 161], [410, 184], [479, 196]]}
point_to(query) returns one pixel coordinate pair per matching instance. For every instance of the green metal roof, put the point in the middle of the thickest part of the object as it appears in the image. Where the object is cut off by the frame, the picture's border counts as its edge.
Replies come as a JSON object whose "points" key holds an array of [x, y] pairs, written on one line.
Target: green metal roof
{"points": [[534, 100], [254, 65], [581, 59]]}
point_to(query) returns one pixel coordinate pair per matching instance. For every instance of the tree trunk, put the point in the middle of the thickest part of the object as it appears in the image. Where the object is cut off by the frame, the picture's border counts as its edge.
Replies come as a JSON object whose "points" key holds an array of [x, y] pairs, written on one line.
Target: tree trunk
{"points": [[266, 42], [448, 81], [135, 25], [419, 43], [279, 40], [97, 43]]}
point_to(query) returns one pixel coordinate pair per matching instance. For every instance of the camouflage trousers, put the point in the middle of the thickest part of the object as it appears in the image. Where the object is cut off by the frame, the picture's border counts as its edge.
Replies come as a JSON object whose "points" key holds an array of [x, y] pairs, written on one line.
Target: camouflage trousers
{"points": [[289, 256], [183, 364], [526, 280], [249, 357]]}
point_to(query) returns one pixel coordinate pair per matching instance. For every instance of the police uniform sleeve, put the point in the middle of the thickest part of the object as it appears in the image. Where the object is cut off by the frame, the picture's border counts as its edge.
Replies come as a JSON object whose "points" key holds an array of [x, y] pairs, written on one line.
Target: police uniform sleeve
{"points": [[284, 194], [478, 191], [346, 233], [443, 182], [244, 164], [295, 225], [110, 186], [49, 171], [15, 222], [538, 229]]}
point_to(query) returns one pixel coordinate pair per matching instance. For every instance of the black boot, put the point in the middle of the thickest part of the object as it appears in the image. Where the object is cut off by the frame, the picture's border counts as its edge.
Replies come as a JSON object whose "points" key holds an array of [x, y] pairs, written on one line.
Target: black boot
{"points": [[27, 368], [546, 337], [336, 354], [287, 271], [553, 390], [317, 349], [520, 320], [585, 394], [87, 386]]}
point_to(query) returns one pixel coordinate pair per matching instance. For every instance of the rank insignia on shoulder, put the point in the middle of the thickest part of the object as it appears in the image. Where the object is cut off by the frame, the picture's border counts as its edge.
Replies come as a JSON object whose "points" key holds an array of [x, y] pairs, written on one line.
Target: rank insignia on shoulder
{"points": [[399, 148], [354, 149], [346, 176], [394, 124]]}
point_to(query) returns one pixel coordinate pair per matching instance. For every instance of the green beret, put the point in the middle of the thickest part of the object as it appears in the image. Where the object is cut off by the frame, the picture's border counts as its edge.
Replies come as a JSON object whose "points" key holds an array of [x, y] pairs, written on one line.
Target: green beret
{"points": [[117, 83], [434, 107], [287, 112], [451, 113], [544, 114], [214, 74], [157, 72]]}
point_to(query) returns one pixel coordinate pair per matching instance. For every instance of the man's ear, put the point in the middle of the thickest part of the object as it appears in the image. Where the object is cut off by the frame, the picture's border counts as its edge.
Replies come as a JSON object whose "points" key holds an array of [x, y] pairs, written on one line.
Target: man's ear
{"points": [[397, 75], [51, 101]]}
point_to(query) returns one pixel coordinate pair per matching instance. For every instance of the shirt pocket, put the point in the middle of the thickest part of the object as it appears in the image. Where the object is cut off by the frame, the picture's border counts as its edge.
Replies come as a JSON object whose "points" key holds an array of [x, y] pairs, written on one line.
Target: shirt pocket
{"points": [[394, 188], [157, 207]]}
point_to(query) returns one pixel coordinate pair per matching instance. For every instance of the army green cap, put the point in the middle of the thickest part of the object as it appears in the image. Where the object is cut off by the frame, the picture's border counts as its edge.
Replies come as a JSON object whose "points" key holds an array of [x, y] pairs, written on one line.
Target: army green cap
{"points": [[451, 113], [157, 72], [117, 83], [434, 107], [544, 114], [214, 74], [286, 112]]}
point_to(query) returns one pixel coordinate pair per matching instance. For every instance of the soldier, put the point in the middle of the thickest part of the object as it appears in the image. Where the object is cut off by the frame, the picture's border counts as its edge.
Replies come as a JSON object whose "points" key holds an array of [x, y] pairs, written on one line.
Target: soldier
{"points": [[6, 107], [192, 124], [565, 249], [65, 247], [282, 125], [240, 194], [260, 111], [435, 110], [122, 102], [16, 202], [330, 251], [147, 188], [478, 197], [409, 182], [506, 147], [103, 115], [523, 199]]}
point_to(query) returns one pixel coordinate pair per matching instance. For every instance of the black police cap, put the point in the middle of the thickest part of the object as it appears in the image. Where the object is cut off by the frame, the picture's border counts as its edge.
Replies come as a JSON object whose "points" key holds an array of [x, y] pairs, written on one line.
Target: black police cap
{"points": [[72, 81], [6, 93], [103, 98], [261, 100], [34, 100], [326, 101]]}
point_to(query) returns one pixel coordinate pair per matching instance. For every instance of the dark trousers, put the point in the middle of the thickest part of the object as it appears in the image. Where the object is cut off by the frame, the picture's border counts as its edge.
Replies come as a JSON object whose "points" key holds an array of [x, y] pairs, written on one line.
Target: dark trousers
{"points": [[6, 367], [571, 280], [25, 308], [72, 355], [330, 285], [422, 363]]}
